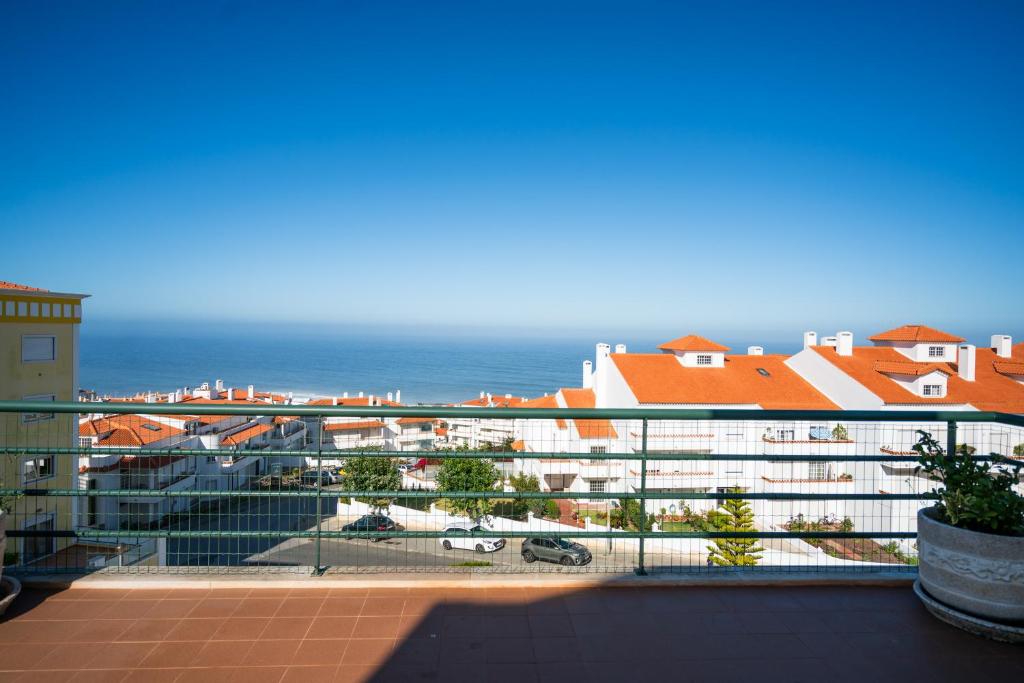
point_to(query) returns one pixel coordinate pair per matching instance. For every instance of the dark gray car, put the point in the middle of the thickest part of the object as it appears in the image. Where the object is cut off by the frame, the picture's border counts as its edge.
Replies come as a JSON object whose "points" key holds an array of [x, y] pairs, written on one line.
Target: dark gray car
{"points": [[555, 550]]}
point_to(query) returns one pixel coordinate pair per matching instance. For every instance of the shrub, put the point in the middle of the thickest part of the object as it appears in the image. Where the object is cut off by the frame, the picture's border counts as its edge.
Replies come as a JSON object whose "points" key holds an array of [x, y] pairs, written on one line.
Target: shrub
{"points": [[551, 510], [840, 433], [976, 495]]}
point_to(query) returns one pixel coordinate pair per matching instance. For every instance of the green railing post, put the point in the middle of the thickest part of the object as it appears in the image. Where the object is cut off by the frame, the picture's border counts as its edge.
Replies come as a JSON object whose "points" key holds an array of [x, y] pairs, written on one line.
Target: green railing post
{"points": [[318, 570], [951, 437], [642, 521]]}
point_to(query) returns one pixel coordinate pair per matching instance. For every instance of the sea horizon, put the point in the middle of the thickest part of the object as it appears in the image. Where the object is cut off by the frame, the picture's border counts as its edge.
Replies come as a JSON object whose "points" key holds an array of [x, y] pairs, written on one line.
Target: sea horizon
{"points": [[428, 367]]}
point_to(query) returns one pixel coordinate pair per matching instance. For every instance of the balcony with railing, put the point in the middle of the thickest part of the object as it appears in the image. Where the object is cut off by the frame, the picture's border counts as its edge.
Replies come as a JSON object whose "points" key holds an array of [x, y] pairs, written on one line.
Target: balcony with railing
{"points": [[811, 521]]}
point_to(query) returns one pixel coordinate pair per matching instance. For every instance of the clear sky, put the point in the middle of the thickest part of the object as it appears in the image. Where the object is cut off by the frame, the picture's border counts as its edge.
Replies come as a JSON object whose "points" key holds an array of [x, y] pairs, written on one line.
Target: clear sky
{"points": [[770, 166]]}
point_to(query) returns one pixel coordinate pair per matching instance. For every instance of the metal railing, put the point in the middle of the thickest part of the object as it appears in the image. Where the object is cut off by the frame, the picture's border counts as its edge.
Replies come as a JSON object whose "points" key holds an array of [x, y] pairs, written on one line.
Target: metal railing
{"points": [[254, 523]]}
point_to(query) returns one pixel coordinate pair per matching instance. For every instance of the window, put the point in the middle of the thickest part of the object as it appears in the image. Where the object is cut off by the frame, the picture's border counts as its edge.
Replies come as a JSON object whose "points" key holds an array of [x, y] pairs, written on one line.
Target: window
{"points": [[703, 359], [28, 418], [785, 435], [816, 470], [426, 427], [38, 348], [598, 449], [38, 467], [936, 351], [90, 512], [933, 390], [597, 485]]}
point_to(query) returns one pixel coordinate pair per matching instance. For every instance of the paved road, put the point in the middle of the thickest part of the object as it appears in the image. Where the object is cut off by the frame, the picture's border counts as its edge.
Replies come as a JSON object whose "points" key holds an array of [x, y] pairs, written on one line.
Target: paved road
{"points": [[287, 514]]}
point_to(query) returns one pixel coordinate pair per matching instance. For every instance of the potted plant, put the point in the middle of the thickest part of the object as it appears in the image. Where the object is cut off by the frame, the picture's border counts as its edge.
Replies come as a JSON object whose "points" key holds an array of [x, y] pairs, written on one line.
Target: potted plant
{"points": [[971, 542]]}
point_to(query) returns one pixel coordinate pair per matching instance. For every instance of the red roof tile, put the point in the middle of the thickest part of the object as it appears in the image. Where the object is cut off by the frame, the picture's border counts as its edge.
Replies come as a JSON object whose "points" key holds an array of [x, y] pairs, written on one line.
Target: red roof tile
{"points": [[692, 342], [896, 367], [990, 390], [4, 284], [245, 435], [658, 378], [916, 333], [349, 426], [588, 429]]}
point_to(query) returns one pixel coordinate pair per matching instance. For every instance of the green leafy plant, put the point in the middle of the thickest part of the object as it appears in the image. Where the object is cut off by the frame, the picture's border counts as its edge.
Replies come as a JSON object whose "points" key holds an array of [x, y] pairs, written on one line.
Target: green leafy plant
{"points": [[976, 494], [840, 433], [368, 473], [630, 515], [467, 474], [1018, 450], [735, 515]]}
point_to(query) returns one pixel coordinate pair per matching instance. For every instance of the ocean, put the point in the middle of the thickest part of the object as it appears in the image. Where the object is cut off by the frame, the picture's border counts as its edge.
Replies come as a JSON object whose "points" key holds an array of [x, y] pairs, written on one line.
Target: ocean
{"points": [[121, 359]]}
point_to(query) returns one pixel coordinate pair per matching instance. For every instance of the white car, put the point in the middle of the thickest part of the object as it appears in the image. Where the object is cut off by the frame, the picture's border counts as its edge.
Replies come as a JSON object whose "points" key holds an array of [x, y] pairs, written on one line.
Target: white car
{"points": [[459, 536]]}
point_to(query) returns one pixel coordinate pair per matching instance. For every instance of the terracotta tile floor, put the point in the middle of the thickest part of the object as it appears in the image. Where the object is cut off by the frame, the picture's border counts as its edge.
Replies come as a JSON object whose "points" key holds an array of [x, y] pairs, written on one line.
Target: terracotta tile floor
{"points": [[591, 634]]}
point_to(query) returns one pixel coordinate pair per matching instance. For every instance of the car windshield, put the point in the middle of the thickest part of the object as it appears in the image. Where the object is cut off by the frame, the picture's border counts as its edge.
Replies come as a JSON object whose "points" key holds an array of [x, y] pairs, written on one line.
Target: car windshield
{"points": [[563, 544]]}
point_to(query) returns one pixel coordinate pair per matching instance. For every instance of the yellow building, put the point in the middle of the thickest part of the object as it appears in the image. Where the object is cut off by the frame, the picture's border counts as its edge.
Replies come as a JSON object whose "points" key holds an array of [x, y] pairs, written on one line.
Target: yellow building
{"points": [[39, 362]]}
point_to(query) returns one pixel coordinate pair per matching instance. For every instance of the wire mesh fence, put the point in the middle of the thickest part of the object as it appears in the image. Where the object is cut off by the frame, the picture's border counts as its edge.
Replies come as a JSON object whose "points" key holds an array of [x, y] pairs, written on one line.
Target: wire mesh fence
{"points": [[247, 486]]}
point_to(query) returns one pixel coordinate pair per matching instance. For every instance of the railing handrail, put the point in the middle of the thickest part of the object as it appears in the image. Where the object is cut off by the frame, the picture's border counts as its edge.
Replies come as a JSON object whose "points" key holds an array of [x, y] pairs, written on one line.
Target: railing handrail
{"points": [[723, 414]]}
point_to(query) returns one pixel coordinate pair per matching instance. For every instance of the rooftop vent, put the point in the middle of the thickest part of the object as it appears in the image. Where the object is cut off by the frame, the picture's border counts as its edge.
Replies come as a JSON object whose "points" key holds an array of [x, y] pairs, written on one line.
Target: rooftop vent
{"points": [[763, 372], [151, 427]]}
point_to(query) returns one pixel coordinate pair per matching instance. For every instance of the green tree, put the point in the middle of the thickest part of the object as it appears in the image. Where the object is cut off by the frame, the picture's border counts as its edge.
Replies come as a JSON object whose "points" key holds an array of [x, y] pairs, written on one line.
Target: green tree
{"points": [[734, 515], [467, 474], [629, 516], [368, 473]]}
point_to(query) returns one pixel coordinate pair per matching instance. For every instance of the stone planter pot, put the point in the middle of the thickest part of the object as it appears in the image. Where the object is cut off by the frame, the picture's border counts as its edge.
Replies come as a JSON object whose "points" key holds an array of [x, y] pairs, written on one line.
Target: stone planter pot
{"points": [[976, 573]]}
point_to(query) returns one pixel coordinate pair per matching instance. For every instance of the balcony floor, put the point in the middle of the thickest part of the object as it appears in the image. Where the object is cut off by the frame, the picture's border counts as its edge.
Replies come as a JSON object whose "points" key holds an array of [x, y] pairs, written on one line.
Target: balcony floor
{"points": [[783, 633]]}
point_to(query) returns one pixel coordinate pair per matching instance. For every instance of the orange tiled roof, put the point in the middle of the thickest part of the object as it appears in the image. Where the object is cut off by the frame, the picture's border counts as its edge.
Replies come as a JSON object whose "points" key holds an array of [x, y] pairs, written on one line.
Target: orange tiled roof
{"points": [[348, 426], [916, 333], [544, 402], [657, 378], [127, 430], [692, 342], [1008, 367], [245, 435], [518, 445], [897, 367], [990, 390], [414, 420], [498, 401], [4, 284], [441, 431], [588, 429]]}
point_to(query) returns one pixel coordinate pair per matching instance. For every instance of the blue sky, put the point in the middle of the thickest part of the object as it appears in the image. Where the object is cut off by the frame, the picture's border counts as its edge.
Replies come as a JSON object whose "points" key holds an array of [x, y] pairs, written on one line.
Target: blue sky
{"points": [[598, 166]]}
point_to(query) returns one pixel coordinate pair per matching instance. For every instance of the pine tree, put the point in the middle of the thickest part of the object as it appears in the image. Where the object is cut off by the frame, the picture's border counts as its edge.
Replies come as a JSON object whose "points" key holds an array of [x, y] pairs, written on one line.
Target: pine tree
{"points": [[734, 515]]}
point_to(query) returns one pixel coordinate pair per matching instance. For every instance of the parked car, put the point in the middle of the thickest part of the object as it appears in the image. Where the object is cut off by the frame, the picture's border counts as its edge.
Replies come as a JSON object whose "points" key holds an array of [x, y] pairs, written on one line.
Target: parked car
{"points": [[460, 536], [369, 524], [327, 478], [405, 467], [555, 550]]}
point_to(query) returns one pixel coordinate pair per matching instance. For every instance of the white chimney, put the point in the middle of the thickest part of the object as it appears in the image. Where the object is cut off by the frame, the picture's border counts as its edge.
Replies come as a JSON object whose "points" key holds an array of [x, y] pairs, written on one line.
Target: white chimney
{"points": [[810, 339], [829, 341], [620, 348], [602, 352], [344, 394], [489, 398], [1002, 344], [755, 350], [334, 400], [844, 343], [252, 392], [965, 362], [398, 395], [482, 395], [231, 394], [360, 394], [508, 395], [369, 402], [219, 384], [391, 397], [588, 375]]}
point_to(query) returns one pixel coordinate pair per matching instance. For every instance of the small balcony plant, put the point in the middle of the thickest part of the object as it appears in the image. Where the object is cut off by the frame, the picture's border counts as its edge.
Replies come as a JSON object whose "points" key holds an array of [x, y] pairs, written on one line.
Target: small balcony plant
{"points": [[971, 542]]}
